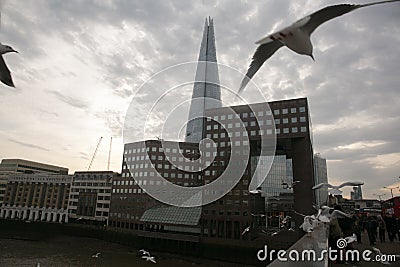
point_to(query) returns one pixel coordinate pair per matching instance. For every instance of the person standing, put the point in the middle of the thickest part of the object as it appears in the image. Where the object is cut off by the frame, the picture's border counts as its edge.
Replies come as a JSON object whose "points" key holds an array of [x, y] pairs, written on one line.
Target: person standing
{"points": [[371, 226], [390, 226], [357, 227], [381, 228]]}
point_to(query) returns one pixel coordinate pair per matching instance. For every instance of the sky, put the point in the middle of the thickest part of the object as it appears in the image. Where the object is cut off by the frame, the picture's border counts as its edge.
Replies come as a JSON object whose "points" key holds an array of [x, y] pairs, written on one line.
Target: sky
{"points": [[80, 64]]}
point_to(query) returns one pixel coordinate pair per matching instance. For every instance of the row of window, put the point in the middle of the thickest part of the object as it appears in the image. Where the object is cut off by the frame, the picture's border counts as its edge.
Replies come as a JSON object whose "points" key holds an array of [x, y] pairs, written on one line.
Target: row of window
{"points": [[259, 113], [157, 149], [253, 123], [303, 129]]}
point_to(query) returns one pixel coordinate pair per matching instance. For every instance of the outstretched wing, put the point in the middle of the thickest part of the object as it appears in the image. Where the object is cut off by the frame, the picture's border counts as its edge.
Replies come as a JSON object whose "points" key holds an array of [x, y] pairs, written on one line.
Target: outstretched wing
{"points": [[322, 185], [262, 53], [5, 75], [327, 13], [350, 184]]}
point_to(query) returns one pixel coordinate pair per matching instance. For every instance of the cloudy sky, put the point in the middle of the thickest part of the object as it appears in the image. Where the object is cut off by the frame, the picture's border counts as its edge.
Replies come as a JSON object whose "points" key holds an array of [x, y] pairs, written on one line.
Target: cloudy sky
{"points": [[81, 62]]}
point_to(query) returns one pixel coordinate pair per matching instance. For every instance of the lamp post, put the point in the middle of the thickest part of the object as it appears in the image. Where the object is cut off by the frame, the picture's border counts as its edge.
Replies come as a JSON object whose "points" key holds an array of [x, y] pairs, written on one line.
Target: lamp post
{"points": [[391, 189], [379, 196]]}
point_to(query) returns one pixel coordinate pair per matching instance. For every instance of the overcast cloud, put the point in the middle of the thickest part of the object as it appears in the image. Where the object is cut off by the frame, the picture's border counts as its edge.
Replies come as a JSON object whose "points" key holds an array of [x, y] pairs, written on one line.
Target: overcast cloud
{"points": [[81, 62]]}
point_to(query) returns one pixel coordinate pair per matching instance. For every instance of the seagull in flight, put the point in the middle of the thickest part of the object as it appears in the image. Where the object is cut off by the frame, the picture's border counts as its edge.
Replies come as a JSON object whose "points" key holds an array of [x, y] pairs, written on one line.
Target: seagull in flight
{"points": [[297, 36], [148, 258], [96, 255], [335, 189], [246, 230], [5, 75], [144, 252]]}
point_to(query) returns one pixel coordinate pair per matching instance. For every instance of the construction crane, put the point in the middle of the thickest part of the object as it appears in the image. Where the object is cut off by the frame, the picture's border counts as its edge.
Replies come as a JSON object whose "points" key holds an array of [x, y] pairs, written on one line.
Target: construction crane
{"points": [[109, 155], [94, 154]]}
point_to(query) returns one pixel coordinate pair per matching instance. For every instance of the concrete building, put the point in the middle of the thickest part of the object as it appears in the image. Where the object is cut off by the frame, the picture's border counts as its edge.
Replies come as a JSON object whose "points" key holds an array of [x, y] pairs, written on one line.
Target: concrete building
{"points": [[224, 220], [288, 120], [90, 196], [36, 197], [321, 176], [3, 186], [133, 209], [26, 166]]}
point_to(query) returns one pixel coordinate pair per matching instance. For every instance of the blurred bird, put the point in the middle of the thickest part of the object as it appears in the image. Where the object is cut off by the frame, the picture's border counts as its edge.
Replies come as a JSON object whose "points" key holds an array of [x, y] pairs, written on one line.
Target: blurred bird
{"points": [[309, 223], [96, 255], [5, 75], [351, 239], [335, 188], [297, 36], [144, 252], [246, 230], [148, 258]]}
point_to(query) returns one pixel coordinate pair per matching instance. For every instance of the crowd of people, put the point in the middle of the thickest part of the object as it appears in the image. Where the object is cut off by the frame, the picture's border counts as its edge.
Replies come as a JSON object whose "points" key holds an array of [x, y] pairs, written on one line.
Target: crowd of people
{"points": [[375, 225]]}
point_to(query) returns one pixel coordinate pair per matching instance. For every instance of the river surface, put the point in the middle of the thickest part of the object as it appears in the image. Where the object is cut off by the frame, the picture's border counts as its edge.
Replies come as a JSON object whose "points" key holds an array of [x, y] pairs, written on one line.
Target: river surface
{"points": [[77, 251]]}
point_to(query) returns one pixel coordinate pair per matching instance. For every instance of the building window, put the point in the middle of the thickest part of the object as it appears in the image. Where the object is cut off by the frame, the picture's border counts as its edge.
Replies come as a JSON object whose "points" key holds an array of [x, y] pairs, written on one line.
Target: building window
{"points": [[302, 109], [244, 115], [277, 121], [294, 120], [303, 129], [293, 110], [294, 129], [285, 120], [302, 119], [268, 122], [285, 130], [260, 113], [284, 111], [276, 112]]}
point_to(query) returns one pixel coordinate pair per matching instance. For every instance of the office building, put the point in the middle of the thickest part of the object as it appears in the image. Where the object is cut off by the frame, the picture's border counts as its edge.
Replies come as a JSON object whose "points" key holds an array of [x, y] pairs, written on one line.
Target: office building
{"points": [[27, 166], [206, 90], [90, 196], [36, 197], [133, 209]]}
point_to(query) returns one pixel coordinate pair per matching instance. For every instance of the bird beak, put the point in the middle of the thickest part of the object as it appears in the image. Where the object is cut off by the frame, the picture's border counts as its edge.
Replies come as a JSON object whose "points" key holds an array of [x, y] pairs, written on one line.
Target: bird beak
{"points": [[312, 57], [15, 51]]}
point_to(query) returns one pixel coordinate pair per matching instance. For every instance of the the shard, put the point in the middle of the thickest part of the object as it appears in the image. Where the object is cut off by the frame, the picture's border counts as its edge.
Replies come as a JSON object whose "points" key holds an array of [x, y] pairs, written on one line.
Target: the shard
{"points": [[206, 90]]}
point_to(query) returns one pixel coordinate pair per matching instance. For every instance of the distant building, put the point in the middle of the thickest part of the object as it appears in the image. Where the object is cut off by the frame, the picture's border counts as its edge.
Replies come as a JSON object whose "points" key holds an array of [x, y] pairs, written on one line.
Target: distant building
{"points": [[36, 197], [90, 196], [133, 209], [27, 166], [321, 176], [356, 194], [277, 189], [3, 185], [222, 221], [226, 218], [206, 89]]}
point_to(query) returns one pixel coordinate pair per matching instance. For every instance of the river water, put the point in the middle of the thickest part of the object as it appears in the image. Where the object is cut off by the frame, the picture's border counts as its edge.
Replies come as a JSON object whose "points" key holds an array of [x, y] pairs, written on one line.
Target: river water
{"points": [[77, 251]]}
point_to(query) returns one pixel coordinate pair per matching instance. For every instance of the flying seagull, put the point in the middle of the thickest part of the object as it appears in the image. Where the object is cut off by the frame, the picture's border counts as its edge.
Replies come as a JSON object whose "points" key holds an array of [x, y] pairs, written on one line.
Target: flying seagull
{"points": [[335, 189], [148, 258], [5, 75], [96, 255], [297, 36], [144, 252], [246, 230]]}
